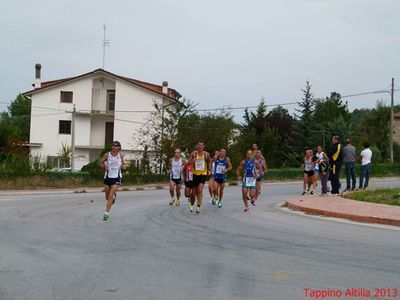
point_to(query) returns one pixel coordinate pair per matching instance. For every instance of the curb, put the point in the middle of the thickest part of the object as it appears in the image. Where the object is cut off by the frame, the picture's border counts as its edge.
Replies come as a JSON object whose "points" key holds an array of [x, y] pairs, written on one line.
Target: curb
{"points": [[76, 191], [352, 217]]}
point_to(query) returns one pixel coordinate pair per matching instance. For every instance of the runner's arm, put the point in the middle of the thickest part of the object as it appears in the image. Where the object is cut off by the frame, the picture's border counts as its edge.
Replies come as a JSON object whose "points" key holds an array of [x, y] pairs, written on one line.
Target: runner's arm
{"points": [[264, 165], [182, 170], [123, 165], [192, 158], [208, 161], [169, 167], [239, 169], [229, 165], [103, 160]]}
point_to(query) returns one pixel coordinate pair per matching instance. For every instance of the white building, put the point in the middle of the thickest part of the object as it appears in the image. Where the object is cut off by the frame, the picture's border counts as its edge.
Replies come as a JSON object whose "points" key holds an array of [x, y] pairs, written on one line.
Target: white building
{"points": [[108, 107]]}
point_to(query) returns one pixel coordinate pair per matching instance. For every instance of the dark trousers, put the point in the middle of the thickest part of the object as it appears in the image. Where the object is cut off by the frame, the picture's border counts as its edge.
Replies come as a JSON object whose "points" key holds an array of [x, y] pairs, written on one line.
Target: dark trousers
{"points": [[350, 168], [334, 175], [365, 172], [324, 182]]}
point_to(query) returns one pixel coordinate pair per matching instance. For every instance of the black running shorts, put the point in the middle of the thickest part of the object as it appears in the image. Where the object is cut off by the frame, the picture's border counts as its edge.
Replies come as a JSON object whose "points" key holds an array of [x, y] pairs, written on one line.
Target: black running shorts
{"points": [[198, 179], [112, 181]]}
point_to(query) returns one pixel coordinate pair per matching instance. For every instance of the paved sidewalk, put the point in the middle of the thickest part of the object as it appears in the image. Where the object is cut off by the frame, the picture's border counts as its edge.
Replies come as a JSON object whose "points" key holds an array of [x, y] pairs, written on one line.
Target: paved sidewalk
{"points": [[347, 209]]}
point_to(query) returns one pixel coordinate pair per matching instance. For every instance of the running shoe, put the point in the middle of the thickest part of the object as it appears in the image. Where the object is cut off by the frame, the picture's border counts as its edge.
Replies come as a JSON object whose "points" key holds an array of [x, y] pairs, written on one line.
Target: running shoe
{"points": [[106, 216], [197, 209], [213, 201], [246, 209], [312, 192], [114, 197], [253, 202], [178, 202], [219, 204], [303, 193], [171, 201], [191, 208]]}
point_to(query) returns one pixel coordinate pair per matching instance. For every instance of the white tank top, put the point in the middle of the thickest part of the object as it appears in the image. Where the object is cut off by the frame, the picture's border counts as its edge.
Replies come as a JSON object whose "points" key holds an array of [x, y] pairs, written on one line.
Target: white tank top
{"points": [[212, 168], [307, 164], [320, 156], [114, 166], [176, 168]]}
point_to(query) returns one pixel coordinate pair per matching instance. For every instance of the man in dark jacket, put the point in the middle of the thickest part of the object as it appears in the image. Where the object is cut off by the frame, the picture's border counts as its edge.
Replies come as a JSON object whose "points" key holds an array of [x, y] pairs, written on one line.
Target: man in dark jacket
{"points": [[336, 159]]}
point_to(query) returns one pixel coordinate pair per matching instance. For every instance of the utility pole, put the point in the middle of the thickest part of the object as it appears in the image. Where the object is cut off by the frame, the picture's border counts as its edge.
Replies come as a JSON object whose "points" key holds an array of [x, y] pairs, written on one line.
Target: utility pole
{"points": [[162, 133], [391, 121], [162, 138], [73, 139]]}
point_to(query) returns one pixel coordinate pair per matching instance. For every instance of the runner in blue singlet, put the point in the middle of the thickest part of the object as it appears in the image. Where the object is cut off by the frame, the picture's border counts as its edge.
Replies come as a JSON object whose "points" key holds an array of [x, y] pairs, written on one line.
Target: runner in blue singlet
{"points": [[250, 166], [222, 165]]}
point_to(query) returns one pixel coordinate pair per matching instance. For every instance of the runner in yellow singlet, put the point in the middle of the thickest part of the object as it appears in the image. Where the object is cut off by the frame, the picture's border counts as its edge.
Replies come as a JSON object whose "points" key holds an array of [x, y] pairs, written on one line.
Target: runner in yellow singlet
{"points": [[201, 163]]}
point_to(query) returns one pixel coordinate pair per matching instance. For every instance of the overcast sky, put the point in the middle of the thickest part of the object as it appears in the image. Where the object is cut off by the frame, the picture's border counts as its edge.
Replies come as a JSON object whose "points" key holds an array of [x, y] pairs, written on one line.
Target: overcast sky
{"points": [[219, 52]]}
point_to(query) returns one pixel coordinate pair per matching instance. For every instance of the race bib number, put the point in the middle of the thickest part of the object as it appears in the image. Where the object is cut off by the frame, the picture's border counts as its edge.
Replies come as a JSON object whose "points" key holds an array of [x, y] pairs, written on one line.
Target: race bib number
{"points": [[190, 177], [220, 169], [200, 165], [250, 181], [176, 174]]}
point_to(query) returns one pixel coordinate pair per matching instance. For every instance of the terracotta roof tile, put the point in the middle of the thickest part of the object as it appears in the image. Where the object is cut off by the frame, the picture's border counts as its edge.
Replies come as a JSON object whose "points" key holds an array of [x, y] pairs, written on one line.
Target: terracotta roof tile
{"points": [[172, 93]]}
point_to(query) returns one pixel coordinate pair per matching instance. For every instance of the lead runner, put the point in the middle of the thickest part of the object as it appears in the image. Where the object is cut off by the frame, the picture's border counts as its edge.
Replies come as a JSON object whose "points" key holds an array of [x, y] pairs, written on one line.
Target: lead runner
{"points": [[112, 163]]}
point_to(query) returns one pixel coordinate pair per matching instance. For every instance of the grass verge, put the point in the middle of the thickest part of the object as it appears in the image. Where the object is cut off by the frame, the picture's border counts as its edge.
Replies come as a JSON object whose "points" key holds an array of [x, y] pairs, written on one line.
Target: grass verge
{"points": [[389, 196]]}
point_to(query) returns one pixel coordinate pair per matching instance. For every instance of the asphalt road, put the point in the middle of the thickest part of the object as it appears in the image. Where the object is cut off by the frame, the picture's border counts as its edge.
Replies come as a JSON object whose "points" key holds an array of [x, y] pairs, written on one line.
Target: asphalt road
{"points": [[57, 247]]}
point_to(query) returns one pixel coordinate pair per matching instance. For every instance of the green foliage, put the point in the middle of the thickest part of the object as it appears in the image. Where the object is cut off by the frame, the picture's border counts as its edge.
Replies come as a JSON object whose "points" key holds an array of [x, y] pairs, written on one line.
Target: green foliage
{"points": [[330, 109], [383, 196], [338, 126], [14, 124], [304, 128], [18, 163], [375, 126], [65, 153], [93, 168]]}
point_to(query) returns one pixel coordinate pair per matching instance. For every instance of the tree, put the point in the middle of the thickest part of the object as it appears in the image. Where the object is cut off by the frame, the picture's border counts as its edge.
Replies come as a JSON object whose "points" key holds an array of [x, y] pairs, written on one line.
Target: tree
{"points": [[160, 131], [15, 123], [255, 120], [375, 128], [216, 129], [330, 109], [303, 130], [278, 119]]}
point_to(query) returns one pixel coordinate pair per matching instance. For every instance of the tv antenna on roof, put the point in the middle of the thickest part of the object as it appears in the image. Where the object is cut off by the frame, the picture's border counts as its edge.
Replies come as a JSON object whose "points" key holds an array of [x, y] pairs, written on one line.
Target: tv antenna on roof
{"points": [[105, 44]]}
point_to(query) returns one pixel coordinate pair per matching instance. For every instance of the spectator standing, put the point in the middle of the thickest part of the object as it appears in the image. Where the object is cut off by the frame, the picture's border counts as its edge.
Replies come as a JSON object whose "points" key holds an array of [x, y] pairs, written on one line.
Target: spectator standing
{"points": [[349, 157], [323, 163], [365, 156], [335, 160]]}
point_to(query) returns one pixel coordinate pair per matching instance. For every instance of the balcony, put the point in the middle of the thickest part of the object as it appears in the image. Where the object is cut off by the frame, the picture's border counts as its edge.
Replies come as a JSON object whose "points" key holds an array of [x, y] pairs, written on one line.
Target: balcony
{"points": [[95, 113]]}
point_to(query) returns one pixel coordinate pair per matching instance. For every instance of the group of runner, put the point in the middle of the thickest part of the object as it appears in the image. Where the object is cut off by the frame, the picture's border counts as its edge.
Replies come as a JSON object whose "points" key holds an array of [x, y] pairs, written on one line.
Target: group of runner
{"points": [[193, 170], [315, 165]]}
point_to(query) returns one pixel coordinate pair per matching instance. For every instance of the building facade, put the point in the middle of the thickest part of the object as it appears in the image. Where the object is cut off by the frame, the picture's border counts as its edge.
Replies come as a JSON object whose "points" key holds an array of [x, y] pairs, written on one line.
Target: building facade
{"points": [[89, 111]]}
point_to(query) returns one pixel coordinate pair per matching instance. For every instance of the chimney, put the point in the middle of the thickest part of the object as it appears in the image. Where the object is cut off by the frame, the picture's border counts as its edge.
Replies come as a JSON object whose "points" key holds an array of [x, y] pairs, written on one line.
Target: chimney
{"points": [[165, 87], [38, 81]]}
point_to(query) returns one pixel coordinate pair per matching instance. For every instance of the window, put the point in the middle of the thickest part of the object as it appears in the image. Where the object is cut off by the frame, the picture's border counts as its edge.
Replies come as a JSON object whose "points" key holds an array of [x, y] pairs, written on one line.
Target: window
{"points": [[56, 163], [66, 97], [109, 133], [110, 100], [64, 127]]}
